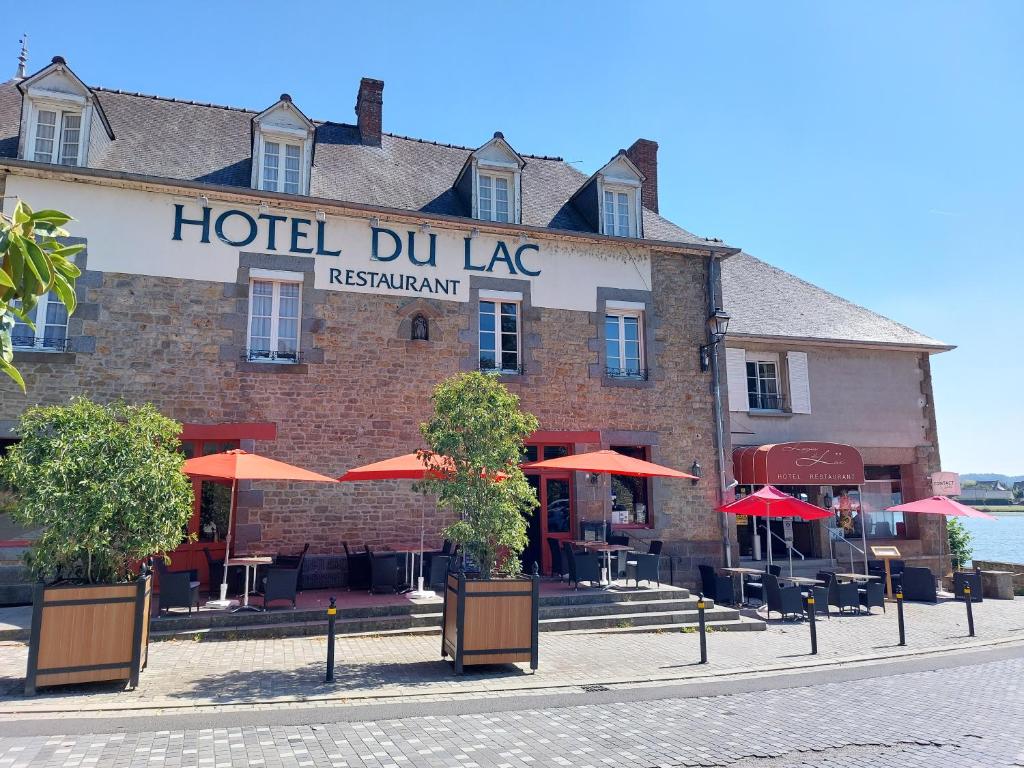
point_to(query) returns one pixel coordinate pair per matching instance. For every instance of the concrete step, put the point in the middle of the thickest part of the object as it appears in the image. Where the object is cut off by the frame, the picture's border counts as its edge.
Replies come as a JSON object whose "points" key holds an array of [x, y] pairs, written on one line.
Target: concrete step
{"points": [[617, 608], [741, 624], [629, 620]]}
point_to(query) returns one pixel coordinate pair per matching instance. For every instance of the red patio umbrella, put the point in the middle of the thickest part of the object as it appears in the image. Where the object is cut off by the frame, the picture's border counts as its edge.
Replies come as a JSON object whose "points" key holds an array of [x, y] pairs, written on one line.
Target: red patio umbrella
{"points": [[238, 465], [941, 505], [769, 501]]}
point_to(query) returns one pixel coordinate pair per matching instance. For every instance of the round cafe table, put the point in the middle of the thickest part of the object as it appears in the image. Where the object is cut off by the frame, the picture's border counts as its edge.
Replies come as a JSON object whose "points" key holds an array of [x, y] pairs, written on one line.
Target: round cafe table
{"points": [[250, 564]]}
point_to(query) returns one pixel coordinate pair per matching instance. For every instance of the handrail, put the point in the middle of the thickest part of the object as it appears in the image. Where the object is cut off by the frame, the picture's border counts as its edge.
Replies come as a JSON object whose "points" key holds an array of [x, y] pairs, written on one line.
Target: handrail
{"points": [[773, 533]]}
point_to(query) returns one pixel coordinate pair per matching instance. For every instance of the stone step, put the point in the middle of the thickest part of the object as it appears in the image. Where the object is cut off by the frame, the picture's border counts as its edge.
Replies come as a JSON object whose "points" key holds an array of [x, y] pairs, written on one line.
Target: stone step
{"points": [[617, 608], [741, 624], [628, 620]]}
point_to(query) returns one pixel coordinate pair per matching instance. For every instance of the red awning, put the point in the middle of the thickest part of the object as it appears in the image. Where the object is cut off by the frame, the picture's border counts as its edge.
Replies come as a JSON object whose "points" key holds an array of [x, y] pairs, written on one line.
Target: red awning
{"points": [[798, 464]]}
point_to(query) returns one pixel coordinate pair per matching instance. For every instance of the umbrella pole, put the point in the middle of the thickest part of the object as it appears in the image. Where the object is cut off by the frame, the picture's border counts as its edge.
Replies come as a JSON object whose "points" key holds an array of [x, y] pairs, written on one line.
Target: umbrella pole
{"points": [[227, 545], [863, 529]]}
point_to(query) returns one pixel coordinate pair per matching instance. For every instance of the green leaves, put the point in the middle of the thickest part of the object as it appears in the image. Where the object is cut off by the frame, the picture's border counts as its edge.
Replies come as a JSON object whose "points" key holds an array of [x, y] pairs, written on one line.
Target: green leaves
{"points": [[104, 482], [478, 424], [960, 542], [32, 261]]}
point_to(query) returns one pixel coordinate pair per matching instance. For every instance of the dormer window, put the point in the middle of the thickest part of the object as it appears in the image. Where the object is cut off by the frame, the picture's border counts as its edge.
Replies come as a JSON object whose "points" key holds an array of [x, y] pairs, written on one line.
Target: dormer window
{"points": [[57, 137], [618, 207], [282, 149], [490, 182], [493, 196], [60, 117], [282, 167]]}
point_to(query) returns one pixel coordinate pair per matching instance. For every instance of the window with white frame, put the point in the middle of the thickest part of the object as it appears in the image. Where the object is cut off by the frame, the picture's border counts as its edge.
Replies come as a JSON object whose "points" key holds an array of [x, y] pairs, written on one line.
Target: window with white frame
{"points": [[624, 349], [274, 319], [500, 335], [618, 212], [493, 197], [282, 167], [50, 318], [763, 384], [57, 137]]}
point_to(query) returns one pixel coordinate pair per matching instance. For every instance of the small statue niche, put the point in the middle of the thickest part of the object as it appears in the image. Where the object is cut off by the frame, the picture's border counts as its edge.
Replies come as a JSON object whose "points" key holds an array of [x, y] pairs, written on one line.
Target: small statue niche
{"points": [[420, 328]]}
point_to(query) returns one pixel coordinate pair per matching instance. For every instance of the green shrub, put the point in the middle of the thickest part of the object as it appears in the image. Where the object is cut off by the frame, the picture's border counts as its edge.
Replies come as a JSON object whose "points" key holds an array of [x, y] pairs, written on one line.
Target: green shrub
{"points": [[105, 484], [960, 540]]}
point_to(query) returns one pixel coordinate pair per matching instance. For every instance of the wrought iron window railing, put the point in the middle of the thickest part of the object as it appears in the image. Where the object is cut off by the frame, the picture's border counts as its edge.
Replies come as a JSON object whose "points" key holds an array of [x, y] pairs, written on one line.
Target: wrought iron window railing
{"points": [[486, 366], [763, 402], [25, 343], [270, 356], [639, 374]]}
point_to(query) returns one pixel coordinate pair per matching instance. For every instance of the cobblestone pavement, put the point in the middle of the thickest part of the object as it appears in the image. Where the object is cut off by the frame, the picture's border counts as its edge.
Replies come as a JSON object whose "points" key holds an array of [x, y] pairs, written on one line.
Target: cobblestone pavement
{"points": [[961, 716], [266, 673]]}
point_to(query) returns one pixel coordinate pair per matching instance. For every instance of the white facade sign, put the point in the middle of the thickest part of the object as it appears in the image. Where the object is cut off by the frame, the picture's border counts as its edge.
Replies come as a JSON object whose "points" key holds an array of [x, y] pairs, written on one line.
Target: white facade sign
{"points": [[787, 530], [186, 237]]}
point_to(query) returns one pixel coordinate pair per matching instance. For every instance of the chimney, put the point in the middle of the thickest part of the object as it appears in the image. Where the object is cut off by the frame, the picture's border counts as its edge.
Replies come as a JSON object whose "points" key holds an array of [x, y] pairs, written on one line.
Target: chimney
{"points": [[369, 105], [644, 155]]}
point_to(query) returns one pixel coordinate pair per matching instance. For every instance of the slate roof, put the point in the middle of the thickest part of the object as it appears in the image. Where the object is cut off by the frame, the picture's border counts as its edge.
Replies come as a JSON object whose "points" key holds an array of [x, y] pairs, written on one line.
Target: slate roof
{"points": [[180, 140], [183, 140], [763, 300]]}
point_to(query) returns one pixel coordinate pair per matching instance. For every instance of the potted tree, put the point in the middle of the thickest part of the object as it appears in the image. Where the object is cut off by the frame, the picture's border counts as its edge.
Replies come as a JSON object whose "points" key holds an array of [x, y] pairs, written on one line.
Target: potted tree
{"points": [[490, 617], [104, 483]]}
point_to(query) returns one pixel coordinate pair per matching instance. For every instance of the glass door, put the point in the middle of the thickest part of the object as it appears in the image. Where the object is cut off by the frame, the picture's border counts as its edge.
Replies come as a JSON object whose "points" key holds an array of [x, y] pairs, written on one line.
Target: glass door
{"points": [[553, 519]]}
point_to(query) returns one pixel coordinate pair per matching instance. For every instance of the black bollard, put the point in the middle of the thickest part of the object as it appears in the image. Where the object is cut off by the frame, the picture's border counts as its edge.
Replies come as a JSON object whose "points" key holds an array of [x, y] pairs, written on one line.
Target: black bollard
{"points": [[332, 615], [701, 629], [970, 609], [814, 626], [899, 616]]}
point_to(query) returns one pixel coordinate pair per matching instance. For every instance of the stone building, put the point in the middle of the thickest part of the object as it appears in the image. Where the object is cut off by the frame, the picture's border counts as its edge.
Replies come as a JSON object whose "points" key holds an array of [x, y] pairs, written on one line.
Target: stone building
{"points": [[297, 287]]}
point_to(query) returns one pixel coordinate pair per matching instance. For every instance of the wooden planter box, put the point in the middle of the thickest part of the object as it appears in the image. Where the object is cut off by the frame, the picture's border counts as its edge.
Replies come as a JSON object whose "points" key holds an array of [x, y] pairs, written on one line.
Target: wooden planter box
{"points": [[88, 633], [490, 621]]}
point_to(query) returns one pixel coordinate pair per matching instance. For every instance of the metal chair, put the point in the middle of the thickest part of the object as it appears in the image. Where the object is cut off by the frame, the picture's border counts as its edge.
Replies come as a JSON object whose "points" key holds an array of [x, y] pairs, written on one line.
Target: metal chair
{"points": [[643, 567], [178, 589]]}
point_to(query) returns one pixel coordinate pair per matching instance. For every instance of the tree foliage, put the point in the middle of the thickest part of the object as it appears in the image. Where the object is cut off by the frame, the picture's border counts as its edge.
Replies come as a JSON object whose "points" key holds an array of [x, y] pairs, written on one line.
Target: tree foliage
{"points": [[960, 542], [479, 425], [33, 261], [105, 484]]}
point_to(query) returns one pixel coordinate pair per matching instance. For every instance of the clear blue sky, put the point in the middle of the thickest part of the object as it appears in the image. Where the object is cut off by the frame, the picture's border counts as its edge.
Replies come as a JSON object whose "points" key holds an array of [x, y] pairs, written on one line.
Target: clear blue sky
{"points": [[872, 148]]}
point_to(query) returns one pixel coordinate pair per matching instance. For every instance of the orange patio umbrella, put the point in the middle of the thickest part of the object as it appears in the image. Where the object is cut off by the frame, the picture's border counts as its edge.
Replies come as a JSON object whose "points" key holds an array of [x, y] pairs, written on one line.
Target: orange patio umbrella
{"points": [[941, 505], [606, 462], [238, 465]]}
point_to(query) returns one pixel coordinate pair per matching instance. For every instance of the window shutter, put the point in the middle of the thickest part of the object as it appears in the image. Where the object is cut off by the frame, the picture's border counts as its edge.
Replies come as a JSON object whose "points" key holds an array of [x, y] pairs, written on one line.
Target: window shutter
{"points": [[799, 382], [736, 373]]}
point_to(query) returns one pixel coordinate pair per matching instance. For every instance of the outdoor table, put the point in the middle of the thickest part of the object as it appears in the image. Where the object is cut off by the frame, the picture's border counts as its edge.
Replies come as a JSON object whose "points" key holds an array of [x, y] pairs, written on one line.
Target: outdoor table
{"points": [[741, 572], [250, 563], [803, 581], [607, 549], [857, 576]]}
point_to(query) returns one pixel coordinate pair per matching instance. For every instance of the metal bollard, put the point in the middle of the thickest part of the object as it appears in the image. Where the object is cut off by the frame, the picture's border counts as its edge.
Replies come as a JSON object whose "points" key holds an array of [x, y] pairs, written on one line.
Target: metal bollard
{"points": [[899, 616], [332, 615], [970, 609], [814, 625], [701, 629]]}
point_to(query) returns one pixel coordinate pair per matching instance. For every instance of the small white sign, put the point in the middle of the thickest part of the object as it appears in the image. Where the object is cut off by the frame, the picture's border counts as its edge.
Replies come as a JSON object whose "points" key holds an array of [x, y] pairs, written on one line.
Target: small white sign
{"points": [[787, 530], [945, 484]]}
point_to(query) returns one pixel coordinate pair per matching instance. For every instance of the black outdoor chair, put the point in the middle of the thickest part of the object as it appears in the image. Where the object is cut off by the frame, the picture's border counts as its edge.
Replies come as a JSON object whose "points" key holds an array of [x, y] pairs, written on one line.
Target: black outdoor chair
{"points": [[429, 555], [753, 586], [178, 589], [872, 595], [581, 566], [844, 596], [281, 580], [557, 564], [787, 601], [643, 568], [820, 594], [716, 586], [384, 571], [963, 578], [919, 584], [236, 575], [439, 565], [877, 568], [882, 530], [655, 547], [358, 568], [619, 558]]}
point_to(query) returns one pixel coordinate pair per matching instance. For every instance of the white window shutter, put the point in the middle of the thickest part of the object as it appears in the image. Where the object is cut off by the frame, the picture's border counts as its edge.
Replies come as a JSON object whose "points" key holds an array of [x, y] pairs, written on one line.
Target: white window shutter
{"points": [[736, 373], [799, 382]]}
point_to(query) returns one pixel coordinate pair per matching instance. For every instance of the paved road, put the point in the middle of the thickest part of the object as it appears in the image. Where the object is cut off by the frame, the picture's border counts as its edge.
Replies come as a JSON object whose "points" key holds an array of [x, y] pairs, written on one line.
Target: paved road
{"points": [[962, 710]]}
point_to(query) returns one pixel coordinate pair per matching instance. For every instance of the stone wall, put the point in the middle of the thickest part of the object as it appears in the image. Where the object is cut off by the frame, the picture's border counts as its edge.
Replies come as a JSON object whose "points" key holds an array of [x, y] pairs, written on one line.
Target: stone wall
{"points": [[364, 389]]}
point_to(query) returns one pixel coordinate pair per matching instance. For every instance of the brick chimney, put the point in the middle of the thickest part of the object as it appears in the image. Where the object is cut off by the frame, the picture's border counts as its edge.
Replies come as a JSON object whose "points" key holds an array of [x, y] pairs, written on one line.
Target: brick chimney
{"points": [[644, 155], [369, 106]]}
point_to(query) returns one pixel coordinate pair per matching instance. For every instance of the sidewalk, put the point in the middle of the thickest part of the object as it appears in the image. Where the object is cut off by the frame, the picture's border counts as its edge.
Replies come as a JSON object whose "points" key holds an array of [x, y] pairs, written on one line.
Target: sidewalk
{"points": [[189, 675]]}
